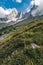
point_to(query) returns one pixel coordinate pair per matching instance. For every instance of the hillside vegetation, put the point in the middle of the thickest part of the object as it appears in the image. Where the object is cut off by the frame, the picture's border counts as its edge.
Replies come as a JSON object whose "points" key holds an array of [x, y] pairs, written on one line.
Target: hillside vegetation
{"points": [[16, 48], [7, 28]]}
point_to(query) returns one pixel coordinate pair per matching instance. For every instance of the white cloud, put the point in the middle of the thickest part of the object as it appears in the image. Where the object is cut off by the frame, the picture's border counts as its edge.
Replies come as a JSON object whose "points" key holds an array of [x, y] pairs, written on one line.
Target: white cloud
{"points": [[32, 3], [28, 10], [4, 12], [39, 9], [19, 1]]}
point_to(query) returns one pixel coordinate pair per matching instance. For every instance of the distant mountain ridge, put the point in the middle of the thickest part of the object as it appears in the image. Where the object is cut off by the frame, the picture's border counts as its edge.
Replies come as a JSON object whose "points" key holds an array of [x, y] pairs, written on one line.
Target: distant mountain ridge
{"points": [[12, 15]]}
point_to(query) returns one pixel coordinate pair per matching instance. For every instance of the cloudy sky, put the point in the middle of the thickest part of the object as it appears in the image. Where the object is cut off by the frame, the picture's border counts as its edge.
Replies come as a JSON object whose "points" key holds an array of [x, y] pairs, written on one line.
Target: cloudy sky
{"points": [[22, 5]]}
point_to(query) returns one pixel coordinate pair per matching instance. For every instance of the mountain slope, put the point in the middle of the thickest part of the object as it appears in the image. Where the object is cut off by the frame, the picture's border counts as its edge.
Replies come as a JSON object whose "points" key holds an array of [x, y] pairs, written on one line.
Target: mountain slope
{"points": [[7, 28], [17, 47]]}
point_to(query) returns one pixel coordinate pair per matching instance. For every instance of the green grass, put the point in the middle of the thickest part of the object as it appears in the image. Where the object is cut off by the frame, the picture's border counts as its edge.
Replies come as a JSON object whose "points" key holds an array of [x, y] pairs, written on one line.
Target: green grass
{"points": [[16, 48]]}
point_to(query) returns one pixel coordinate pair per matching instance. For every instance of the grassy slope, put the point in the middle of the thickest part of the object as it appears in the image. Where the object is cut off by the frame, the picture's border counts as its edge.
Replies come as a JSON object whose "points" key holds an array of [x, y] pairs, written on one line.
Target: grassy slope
{"points": [[16, 48], [8, 29]]}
